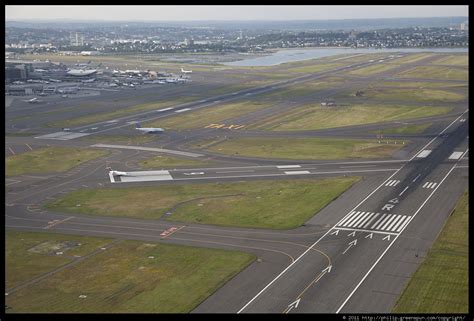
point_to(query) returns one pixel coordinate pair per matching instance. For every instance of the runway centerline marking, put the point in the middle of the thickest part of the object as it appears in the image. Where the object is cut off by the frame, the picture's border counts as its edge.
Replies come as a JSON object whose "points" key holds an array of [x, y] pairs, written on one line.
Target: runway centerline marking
{"points": [[334, 227], [400, 230], [58, 222]]}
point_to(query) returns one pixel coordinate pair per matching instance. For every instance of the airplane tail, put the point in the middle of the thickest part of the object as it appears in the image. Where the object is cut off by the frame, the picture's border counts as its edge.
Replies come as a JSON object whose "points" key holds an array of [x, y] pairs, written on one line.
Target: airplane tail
{"points": [[137, 125], [182, 70]]}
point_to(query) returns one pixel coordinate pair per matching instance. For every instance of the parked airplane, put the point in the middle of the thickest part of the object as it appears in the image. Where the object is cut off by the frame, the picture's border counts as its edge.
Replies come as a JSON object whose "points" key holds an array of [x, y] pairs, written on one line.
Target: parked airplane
{"points": [[186, 71], [149, 130]]}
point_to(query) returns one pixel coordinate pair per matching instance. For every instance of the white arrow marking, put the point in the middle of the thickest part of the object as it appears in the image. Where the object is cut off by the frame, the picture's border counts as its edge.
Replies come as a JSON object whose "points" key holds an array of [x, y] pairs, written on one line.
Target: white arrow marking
{"points": [[370, 235], [293, 305], [353, 234], [328, 269], [387, 237], [350, 245], [335, 232]]}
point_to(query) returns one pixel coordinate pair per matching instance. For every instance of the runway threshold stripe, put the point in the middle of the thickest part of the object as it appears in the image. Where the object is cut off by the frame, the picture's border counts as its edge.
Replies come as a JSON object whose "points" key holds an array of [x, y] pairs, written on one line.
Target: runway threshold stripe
{"points": [[404, 223], [360, 218], [365, 219], [425, 184], [371, 220], [348, 223], [389, 228], [382, 222], [388, 222], [434, 185], [398, 223], [347, 217], [377, 222]]}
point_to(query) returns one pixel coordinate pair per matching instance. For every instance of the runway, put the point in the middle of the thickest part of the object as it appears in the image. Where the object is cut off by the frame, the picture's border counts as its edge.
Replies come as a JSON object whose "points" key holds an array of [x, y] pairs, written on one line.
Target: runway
{"points": [[355, 255]]}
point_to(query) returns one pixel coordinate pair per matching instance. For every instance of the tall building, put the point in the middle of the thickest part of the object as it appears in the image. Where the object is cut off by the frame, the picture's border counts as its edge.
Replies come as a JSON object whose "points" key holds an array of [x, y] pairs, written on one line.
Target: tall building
{"points": [[76, 39]]}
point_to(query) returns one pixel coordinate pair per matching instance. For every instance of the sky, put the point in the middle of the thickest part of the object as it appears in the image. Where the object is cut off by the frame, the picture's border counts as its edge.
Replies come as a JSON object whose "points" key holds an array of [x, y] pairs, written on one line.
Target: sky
{"points": [[189, 13]]}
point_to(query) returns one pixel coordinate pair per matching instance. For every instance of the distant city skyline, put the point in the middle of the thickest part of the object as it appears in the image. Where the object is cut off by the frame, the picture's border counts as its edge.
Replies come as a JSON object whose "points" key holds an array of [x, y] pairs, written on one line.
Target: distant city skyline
{"points": [[223, 13]]}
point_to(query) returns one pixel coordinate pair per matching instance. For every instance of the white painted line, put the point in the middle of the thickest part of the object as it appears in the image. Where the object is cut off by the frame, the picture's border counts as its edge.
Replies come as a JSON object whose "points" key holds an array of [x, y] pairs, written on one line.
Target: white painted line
{"points": [[296, 172], [362, 230], [414, 180], [424, 153], [164, 109], [182, 110], [317, 241], [383, 221], [424, 186], [160, 150], [360, 219], [347, 217], [388, 222], [289, 166], [365, 219], [357, 166], [434, 184], [429, 185], [401, 193], [404, 223], [429, 143], [349, 222], [370, 221], [455, 155], [398, 223], [249, 171]]}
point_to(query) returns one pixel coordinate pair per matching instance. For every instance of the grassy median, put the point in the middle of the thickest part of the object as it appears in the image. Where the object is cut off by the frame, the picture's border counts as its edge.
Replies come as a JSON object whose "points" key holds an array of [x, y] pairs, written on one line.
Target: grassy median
{"points": [[161, 161], [49, 160], [303, 148], [129, 276], [440, 285], [277, 204], [312, 117]]}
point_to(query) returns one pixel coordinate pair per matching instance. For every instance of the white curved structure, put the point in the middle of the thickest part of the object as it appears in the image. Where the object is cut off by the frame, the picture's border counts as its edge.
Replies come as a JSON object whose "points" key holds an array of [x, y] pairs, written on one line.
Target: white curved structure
{"points": [[81, 72]]}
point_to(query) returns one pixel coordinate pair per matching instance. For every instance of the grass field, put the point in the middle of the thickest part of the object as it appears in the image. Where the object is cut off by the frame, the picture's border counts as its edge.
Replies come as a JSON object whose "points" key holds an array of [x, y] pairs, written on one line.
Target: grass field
{"points": [[98, 117], [456, 60], [49, 160], [435, 72], [206, 116], [407, 129], [302, 148], [279, 204], [162, 161], [311, 117], [130, 276], [413, 95], [420, 84], [440, 285]]}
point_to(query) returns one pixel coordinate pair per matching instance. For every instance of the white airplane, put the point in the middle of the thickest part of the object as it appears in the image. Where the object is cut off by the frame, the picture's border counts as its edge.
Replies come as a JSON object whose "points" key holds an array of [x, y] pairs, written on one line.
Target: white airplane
{"points": [[149, 130], [118, 173], [33, 100], [186, 71]]}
